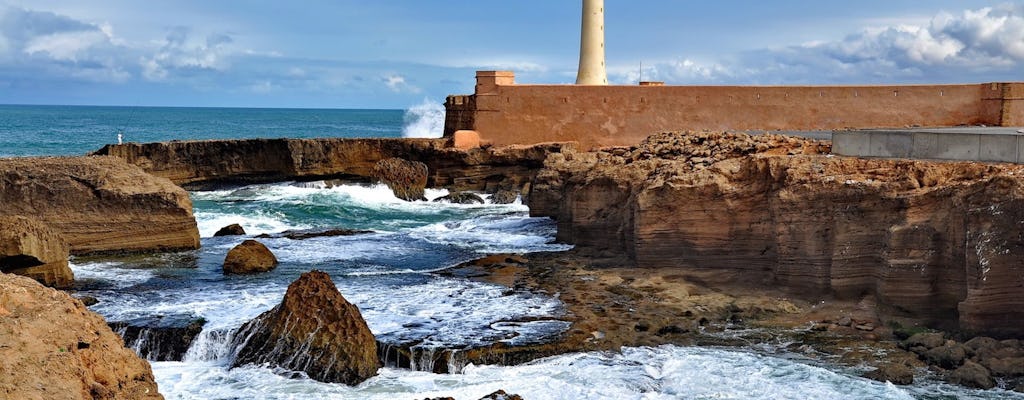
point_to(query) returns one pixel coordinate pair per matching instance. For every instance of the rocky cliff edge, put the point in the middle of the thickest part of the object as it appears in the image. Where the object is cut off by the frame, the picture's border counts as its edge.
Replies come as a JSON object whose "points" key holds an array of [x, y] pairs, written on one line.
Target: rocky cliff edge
{"points": [[940, 242]]}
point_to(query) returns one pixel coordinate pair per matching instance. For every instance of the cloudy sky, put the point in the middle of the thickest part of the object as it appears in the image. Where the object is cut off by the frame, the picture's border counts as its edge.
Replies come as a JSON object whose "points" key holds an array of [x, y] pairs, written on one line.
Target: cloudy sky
{"points": [[398, 53]]}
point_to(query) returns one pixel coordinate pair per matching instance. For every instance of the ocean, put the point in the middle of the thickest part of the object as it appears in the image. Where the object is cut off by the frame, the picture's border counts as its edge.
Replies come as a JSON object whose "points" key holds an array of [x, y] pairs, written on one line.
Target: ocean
{"points": [[389, 274]]}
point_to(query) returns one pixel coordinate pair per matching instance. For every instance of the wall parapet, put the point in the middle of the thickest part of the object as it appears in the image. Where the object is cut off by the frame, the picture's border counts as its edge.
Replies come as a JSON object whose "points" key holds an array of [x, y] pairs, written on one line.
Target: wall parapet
{"points": [[504, 112]]}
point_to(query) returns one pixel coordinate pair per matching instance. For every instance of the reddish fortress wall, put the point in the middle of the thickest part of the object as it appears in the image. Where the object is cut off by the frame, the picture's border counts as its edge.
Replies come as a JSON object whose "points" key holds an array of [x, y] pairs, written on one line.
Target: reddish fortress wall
{"points": [[506, 113]]}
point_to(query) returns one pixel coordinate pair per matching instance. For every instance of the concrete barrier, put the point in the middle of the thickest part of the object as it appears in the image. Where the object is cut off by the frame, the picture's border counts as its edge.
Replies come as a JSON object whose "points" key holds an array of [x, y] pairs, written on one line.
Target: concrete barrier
{"points": [[990, 144]]}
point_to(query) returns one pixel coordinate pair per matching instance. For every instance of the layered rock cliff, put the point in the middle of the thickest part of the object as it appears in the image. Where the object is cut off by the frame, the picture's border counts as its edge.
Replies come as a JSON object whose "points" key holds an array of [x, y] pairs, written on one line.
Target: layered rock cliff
{"points": [[30, 248], [936, 241], [203, 164], [52, 347], [99, 204]]}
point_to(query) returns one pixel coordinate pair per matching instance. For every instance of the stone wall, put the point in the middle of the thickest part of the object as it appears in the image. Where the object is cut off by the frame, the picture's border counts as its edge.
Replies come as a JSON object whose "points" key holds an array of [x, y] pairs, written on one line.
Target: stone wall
{"points": [[509, 113]]}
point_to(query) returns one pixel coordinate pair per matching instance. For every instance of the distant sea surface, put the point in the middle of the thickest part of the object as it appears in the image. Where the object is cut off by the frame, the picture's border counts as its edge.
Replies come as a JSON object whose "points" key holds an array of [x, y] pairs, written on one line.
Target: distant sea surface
{"points": [[30, 130]]}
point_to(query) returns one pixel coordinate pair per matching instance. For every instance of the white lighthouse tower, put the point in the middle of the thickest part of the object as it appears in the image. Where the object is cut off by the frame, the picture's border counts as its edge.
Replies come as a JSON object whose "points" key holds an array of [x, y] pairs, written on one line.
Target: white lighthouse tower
{"points": [[592, 69]]}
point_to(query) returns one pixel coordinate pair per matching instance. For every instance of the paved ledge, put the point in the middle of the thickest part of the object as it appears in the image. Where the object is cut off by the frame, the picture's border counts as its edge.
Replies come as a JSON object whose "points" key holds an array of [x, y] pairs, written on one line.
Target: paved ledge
{"points": [[991, 144]]}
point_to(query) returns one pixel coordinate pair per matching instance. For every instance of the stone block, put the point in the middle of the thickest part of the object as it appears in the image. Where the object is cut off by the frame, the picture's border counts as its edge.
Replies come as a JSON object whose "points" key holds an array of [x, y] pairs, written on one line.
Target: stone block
{"points": [[999, 148], [890, 144]]}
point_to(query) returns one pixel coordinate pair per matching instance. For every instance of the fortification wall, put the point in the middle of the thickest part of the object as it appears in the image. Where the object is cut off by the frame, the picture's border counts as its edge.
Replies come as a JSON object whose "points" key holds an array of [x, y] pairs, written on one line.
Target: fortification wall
{"points": [[507, 113]]}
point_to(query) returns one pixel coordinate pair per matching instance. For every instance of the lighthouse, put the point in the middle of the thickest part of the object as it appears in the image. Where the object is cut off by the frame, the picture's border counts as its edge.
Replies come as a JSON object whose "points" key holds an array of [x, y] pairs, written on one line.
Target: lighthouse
{"points": [[592, 69]]}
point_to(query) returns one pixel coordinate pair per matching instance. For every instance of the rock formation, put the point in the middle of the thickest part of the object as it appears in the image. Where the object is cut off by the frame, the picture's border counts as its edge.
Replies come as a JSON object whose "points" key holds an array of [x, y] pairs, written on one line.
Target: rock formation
{"points": [[407, 179], [30, 248], [209, 163], [461, 198], [162, 338], [314, 330], [935, 241], [249, 257], [99, 204], [230, 230], [53, 347]]}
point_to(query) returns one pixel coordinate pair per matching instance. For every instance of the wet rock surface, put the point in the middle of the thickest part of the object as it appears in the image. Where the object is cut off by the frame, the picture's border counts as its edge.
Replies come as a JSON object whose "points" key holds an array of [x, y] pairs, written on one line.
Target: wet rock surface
{"points": [[230, 230], [249, 257], [461, 198], [314, 330], [159, 338], [303, 235], [407, 179]]}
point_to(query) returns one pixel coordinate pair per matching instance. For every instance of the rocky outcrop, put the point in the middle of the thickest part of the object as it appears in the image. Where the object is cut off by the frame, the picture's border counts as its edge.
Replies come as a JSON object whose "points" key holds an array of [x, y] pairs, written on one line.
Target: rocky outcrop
{"points": [[99, 204], [461, 198], [249, 257], [210, 163], [314, 330], [30, 248], [53, 347], [309, 234], [160, 338], [933, 241], [407, 179], [230, 230]]}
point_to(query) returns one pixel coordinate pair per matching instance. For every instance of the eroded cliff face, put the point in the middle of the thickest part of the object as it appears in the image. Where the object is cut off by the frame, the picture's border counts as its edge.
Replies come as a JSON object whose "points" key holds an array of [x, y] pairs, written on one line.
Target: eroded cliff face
{"points": [[52, 347], [99, 204], [203, 164], [937, 241]]}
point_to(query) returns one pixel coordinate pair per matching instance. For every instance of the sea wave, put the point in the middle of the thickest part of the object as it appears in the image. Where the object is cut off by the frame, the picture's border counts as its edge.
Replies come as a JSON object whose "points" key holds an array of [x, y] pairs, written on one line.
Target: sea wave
{"points": [[424, 120]]}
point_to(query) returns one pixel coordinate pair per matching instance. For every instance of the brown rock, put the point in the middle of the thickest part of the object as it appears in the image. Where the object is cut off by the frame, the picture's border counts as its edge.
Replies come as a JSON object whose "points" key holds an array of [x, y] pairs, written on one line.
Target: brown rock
{"points": [[897, 373], [99, 204], [948, 356], [249, 257], [30, 248], [927, 340], [504, 197], [407, 179], [231, 230], [937, 241], [1011, 366], [972, 375], [314, 330], [53, 347]]}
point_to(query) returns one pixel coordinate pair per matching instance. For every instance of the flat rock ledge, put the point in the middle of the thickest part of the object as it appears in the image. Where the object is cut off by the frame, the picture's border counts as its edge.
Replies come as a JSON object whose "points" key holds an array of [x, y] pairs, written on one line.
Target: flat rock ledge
{"points": [[99, 204]]}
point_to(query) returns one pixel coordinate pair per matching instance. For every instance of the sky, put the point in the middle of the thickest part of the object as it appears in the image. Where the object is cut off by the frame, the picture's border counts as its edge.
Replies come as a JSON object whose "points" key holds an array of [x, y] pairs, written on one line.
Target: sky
{"points": [[400, 53]]}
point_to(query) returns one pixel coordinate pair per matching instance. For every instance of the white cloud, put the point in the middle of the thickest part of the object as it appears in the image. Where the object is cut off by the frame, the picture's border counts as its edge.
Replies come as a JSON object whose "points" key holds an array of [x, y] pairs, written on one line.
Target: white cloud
{"points": [[181, 51], [975, 45], [398, 84]]}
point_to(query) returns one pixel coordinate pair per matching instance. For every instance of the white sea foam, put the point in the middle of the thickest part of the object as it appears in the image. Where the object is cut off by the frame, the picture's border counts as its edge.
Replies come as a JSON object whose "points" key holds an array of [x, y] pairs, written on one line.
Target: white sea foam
{"points": [[112, 273], [424, 120], [494, 234], [666, 372]]}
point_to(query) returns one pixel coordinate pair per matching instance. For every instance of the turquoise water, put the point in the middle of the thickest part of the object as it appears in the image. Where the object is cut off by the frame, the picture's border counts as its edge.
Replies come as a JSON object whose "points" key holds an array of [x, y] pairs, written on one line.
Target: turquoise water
{"points": [[77, 130]]}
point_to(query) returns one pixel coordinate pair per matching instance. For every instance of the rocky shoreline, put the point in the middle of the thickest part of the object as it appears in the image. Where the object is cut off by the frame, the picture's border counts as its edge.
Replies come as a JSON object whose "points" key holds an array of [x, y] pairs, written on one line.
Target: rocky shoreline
{"points": [[706, 239]]}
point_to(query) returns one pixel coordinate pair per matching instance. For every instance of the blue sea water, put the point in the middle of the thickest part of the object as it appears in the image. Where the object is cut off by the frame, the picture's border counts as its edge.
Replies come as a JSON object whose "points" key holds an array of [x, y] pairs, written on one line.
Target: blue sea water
{"points": [[389, 274], [29, 130]]}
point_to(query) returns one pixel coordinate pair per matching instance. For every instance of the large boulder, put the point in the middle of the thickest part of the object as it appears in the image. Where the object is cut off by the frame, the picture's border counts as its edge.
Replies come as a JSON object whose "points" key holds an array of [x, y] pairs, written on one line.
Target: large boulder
{"points": [[249, 257], [314, 330], [99, 204], [972, 375], [407, 179], [30, 248], [51, 347]]}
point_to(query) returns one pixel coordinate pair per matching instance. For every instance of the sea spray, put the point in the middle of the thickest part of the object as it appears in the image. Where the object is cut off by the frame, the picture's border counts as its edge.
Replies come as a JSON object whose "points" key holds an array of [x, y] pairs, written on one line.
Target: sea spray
{"points": [[424, 120]]}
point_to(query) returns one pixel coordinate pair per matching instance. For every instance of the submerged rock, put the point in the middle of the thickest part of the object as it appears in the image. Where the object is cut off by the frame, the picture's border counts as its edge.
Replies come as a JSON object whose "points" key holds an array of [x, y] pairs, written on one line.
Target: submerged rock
{"points": [[461, 198], [314, 330], [231, 230], [249, 257], [897, 373], [28, 247], [303, 235], [52, 347], [160, 338], [407, 179]]}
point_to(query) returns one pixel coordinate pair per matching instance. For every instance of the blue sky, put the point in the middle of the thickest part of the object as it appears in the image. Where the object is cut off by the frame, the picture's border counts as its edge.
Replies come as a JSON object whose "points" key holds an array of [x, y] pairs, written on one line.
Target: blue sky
{"points": [[399, 53]]}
